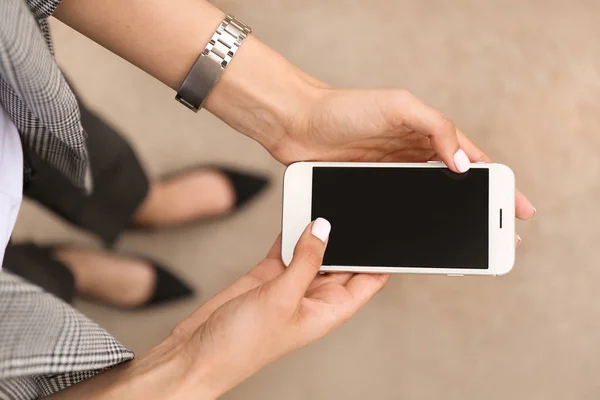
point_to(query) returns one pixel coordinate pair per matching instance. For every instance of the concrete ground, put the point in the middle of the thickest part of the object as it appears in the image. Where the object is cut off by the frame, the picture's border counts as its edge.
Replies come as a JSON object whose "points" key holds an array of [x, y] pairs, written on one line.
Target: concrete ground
{"points": [[521, 78]]}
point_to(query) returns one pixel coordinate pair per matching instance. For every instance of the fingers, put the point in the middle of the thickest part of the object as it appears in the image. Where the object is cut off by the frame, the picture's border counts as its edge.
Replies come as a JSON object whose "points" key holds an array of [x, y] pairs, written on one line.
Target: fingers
{"points": [[523, 207], [332, 278], [275, 252], [439, 129], [307, 260], [475, 153], [363, 287]]}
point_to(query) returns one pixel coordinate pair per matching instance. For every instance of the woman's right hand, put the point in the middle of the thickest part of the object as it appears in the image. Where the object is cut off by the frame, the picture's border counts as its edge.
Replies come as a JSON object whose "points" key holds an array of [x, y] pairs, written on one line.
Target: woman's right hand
{"points": [[285, 310]]}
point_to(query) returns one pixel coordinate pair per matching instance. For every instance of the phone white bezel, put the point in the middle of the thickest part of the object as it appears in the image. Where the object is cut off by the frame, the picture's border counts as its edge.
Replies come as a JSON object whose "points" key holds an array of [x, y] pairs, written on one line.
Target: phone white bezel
{"points": [[297, 195]]}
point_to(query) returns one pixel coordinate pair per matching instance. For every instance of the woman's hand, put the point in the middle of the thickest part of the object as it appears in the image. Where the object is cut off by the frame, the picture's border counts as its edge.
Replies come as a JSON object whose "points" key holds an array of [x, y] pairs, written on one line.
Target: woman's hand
{"points": [[297, 118], [275, 311], [378, 125], [370, 125], [266, 314]]}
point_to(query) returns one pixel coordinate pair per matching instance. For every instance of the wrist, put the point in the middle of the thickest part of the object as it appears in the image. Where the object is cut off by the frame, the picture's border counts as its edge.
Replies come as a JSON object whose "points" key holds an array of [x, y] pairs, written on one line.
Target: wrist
{"points": [[261, 94], [169, 370]]}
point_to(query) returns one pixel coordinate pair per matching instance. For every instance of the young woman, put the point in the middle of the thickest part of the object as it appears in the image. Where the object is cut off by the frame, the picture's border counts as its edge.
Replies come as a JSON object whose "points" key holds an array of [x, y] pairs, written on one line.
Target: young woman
{"points": [[46, 346]]}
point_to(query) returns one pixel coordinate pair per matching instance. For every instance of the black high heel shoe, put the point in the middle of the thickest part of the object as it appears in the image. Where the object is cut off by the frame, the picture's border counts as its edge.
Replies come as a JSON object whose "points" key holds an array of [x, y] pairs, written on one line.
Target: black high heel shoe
{"points": [[245, 185], [39, 265], [168, 287]]}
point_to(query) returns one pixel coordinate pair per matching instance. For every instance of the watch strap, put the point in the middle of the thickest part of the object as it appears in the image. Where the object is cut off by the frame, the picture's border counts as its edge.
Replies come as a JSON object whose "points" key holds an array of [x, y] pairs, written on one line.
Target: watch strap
{"points": [[211, 63]]}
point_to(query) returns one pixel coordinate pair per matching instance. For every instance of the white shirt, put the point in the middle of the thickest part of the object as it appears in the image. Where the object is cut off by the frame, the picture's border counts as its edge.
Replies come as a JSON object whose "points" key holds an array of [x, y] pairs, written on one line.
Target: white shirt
{"points": [[11, 179]]}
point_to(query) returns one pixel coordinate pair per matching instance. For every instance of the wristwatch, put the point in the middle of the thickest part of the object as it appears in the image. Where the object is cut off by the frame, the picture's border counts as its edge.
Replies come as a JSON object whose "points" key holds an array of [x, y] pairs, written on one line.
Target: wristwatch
{"points": [[211, 63]]}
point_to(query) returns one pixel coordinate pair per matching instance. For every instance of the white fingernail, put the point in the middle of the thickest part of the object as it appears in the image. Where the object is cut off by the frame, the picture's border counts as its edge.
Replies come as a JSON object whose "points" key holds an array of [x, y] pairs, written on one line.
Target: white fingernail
{"points": [[461, 161], [321, 228], [518, 240]]}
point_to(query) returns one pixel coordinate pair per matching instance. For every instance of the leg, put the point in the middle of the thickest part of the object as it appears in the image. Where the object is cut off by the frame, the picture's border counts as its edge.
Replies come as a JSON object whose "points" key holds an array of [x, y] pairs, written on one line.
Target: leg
{"points": [[123, 282], [123, 196], [196, 193], [120, 187], [120, 184], [33, 264], [200, 193]]}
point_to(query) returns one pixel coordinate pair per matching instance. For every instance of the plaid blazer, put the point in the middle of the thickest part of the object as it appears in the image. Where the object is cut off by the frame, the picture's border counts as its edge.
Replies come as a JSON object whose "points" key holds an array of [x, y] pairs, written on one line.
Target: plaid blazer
{"points": [[45, 345], [34, 92]]}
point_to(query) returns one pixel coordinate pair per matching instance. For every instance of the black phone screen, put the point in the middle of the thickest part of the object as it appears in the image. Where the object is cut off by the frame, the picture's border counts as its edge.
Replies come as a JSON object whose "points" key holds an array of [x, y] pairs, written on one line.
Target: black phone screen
{"points": [[403, 217]]}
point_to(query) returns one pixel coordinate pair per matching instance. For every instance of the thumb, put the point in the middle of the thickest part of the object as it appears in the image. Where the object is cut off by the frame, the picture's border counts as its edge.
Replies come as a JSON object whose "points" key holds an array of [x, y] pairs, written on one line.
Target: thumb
{"points": [[307, 260]]}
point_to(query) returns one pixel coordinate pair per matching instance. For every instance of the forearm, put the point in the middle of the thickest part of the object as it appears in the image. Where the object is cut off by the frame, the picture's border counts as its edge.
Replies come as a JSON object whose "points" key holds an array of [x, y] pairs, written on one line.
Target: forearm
{"points": [[166, 371], [259, 92], [171, 369]]}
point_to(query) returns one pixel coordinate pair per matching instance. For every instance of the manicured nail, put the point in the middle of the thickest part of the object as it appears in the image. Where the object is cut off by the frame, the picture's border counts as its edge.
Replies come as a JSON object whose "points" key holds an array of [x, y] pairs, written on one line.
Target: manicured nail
{"points": [[461, 161], [534, 211], [321, 228], [518, 239]]}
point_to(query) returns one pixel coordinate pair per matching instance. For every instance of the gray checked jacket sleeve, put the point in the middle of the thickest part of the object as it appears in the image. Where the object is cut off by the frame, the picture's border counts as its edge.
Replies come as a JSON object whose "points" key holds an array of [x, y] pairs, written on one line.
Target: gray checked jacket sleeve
{"points": [[46, 345], [42, 9]]}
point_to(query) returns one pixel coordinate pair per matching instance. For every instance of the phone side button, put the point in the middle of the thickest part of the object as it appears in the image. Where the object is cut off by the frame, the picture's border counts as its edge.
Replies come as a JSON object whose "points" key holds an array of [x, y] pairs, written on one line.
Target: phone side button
{"points": [[455, 275]]}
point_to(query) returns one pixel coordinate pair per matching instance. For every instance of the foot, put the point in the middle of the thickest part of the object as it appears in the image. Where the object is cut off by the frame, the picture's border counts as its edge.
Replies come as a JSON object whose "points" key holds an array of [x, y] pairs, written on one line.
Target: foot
{"points": [[121, 282], [200, 193]]}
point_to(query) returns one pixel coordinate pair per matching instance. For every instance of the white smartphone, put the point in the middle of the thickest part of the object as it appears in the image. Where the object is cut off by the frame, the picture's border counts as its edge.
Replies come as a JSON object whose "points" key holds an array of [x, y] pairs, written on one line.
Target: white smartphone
{"points": [[404, 217]]}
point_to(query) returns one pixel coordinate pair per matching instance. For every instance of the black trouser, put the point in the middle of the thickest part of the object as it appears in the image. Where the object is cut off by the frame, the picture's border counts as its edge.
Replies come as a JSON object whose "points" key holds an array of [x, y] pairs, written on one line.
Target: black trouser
{"points": [[120, 185]]}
